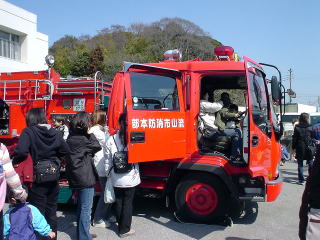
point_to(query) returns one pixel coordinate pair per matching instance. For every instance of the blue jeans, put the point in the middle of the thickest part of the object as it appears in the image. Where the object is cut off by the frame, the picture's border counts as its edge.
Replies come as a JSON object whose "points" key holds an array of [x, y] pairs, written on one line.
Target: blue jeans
{"points": [[300, 168], [85, 200], [102, 211], [236, 140]]}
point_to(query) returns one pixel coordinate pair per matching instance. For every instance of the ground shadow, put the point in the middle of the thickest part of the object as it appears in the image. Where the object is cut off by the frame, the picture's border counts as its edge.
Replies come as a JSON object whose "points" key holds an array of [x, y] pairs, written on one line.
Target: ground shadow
{"points": [[67, 220], [250, 213], [155, 210], [236, 238], [292, 177]]}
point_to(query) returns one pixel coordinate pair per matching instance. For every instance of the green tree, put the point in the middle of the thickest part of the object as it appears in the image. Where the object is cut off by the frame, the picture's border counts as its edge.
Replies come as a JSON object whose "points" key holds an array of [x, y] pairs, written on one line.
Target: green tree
{"points": [[80, 66], [139, 42], [96, 60]]}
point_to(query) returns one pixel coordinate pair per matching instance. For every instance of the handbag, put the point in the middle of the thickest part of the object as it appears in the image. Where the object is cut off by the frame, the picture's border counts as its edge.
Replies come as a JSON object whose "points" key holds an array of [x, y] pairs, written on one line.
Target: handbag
{"points": [[312, 148], [46, 171], [120, 160], [109, 196]]}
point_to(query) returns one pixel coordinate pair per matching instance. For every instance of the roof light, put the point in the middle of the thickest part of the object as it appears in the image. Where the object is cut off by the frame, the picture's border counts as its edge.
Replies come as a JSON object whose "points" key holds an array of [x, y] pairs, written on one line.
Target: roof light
{"points": [[172, 55], [49, 60], [224, 53]]}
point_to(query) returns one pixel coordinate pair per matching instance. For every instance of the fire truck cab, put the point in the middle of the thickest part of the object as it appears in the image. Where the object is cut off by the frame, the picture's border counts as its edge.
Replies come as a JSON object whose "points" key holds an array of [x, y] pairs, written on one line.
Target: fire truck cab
{"points": [[161, 102]]}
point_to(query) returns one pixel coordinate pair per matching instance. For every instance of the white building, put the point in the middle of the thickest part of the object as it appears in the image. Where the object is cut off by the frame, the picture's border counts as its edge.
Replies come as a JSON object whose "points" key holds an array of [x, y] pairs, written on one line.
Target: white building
{"points": [[22, 48]]}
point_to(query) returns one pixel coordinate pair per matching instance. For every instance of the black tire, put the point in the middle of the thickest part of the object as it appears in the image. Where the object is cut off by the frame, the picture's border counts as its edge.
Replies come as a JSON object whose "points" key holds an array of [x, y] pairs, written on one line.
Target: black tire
{"points": [[192, 209]]}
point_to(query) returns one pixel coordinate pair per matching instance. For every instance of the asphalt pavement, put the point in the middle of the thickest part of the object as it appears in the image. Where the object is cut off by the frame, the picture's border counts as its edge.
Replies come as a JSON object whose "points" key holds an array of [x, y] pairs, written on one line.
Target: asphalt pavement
{"points": [[261, 221]]}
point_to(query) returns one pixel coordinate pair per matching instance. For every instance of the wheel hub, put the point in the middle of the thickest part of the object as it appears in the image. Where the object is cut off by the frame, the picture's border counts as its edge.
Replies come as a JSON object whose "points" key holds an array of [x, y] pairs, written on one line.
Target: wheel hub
{"points": [[201, 198]]}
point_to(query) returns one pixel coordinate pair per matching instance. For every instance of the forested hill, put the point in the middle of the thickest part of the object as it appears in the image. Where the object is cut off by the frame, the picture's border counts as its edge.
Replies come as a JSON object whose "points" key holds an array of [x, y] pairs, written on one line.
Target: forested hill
{"points": [[139, 43]]}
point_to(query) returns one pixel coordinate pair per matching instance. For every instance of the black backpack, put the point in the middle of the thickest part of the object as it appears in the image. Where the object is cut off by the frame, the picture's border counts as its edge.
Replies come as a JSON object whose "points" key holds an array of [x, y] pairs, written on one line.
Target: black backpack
{"points": [[120, 160]]}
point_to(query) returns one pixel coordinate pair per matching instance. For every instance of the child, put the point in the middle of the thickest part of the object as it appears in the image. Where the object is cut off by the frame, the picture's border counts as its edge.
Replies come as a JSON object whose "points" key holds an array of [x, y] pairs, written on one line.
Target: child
{"points": [[10, 177], [59, 123], [22, 220], [284, 154]]}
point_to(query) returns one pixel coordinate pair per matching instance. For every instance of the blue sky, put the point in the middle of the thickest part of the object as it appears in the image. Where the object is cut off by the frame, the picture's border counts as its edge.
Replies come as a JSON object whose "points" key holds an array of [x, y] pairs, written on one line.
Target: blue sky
{"points": [[281, 32]]}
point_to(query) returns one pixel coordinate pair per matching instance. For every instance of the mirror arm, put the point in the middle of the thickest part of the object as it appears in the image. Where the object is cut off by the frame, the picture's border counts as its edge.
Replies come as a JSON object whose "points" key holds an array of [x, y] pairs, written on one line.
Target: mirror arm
{"points": [[280, 78]]}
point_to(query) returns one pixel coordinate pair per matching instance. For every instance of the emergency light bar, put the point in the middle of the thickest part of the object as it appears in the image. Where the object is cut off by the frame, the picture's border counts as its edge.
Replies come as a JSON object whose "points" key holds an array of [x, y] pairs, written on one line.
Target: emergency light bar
{"points": [[224, 53], [172, 55]]}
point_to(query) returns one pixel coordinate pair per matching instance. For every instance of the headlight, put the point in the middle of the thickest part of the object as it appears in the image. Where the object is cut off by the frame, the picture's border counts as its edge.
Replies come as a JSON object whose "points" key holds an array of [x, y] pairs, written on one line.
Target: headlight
{"points": [[49, 60]]}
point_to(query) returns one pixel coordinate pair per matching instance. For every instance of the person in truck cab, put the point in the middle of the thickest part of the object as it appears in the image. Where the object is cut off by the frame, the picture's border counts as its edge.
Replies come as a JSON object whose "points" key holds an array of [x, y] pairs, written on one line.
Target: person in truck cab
{"points": [[224, 116], [207, 115], [233, 123]]}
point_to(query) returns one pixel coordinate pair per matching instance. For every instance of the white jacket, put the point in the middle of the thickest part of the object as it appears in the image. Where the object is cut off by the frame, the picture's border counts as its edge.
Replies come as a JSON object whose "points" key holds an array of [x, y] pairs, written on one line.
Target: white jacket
{"points": [[208, 110], [99, 157], [121, 180]]}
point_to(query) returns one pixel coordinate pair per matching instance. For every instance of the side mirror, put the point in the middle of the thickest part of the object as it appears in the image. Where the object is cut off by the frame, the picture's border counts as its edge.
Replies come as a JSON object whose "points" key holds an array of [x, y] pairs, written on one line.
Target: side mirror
{"points": [[275, 89]]}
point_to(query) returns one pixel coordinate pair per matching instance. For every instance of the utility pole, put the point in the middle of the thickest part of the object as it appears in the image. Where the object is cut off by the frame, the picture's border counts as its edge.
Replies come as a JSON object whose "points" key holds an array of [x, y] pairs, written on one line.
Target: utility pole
{"points": [[290, 78]]}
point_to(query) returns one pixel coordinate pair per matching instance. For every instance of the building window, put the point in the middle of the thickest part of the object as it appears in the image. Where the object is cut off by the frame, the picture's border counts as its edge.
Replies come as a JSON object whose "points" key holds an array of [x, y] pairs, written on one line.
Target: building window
{"points": [[10, 46]]}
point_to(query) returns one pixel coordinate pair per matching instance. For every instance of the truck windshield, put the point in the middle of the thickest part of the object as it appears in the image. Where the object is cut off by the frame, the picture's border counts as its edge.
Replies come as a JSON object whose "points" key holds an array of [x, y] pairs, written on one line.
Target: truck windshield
{"points": [[154, 92]]}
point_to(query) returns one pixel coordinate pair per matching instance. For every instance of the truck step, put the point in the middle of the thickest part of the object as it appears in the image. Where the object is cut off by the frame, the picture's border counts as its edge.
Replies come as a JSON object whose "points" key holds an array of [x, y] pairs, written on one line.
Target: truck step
{"points": [[153, 184], [254, 198]]}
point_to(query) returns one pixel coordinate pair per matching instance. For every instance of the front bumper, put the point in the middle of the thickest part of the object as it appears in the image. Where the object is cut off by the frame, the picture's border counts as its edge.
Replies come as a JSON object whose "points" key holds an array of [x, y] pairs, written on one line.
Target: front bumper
{"points": [[273, 188]]}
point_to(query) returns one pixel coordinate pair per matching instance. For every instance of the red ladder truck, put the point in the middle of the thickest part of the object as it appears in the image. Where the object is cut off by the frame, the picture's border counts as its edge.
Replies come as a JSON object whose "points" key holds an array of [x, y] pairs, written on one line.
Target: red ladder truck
{"points": [[20, 91]]}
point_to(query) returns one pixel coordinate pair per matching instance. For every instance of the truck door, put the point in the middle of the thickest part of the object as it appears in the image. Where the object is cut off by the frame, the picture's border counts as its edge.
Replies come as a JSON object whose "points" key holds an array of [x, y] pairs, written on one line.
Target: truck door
{"points": [[259, 121], [155, 113]]}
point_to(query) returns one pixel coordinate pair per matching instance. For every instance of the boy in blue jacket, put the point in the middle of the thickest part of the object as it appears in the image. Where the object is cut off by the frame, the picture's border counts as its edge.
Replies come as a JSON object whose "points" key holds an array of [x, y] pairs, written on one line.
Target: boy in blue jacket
{"points": [[22, 220]]}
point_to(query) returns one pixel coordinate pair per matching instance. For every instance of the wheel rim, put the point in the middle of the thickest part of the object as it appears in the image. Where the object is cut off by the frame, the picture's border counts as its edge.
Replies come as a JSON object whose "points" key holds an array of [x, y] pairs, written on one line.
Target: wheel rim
{"points": [[201, 198]]}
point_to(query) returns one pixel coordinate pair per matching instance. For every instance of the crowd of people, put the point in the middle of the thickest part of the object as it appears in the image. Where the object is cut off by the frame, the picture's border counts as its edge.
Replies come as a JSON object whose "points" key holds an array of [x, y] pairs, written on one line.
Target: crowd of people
{"points": [[86, 150], [88, 153]]}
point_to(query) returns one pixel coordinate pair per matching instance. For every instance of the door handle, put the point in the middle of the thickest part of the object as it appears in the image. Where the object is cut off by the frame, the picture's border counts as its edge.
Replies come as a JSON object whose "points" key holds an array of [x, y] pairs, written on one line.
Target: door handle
{"points": [[137, 137], [255, 140]]}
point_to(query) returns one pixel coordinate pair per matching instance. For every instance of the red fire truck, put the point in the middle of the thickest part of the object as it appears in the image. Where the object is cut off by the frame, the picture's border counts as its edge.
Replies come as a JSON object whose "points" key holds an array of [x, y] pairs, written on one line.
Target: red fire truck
{"points": [[161, 103]]}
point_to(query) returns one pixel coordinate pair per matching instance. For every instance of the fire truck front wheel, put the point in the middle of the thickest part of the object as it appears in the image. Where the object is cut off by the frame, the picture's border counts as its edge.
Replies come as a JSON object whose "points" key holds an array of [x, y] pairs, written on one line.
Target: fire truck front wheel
{"points": [[201, 198]]}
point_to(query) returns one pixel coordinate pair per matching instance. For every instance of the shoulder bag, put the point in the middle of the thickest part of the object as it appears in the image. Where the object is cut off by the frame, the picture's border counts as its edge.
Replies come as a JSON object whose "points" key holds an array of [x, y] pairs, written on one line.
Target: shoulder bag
{"points": [[46, 171], [120, 160]]}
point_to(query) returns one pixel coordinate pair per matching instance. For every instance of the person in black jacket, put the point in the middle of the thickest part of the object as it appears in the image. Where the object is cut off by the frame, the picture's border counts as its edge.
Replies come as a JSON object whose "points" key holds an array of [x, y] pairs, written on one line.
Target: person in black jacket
{"points": [[45, 144], [310, 204], [301, 139], [81, 172]]}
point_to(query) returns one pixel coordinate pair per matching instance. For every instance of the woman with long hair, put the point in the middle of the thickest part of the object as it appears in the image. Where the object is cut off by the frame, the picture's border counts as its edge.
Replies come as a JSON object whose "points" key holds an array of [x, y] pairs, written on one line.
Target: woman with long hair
{"points": [[124, 183], [301, 139], [81, 172], [98, 119], [47, 148]]}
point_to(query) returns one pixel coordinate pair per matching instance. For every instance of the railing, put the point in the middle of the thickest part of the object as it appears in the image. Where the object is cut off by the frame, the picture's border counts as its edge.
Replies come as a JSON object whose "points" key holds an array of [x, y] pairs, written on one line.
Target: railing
{"points": [[85, 85], [29, 89]]}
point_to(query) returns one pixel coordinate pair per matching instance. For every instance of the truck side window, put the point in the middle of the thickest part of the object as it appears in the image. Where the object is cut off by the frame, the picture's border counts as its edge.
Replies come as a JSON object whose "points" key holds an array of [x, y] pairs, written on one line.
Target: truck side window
{"points": [[259, 100], [154, 92]]}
